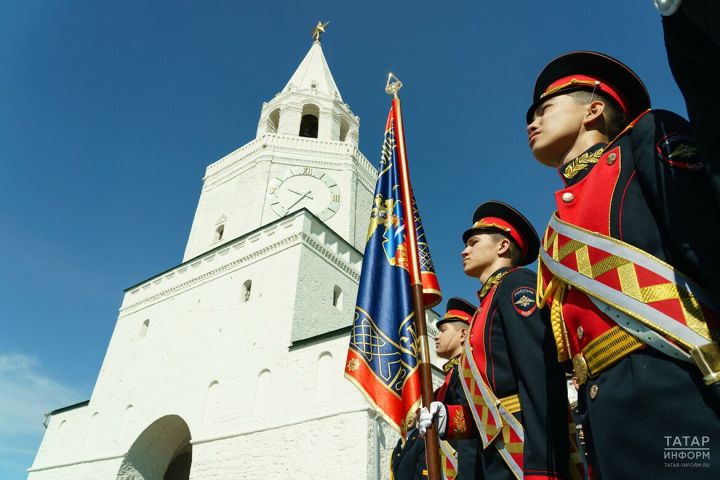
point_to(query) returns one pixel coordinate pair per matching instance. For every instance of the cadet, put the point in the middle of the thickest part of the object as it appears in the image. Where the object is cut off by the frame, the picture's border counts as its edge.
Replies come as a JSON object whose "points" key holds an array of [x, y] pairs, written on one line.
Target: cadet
{"points": [[622, 263], [509, 367], [458, 457], [408, 457], [449, 342]]}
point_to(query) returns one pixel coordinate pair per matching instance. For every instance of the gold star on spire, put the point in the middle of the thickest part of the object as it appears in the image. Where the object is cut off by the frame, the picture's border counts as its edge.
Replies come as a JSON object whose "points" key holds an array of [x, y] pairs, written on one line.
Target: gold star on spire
{"points": [[318, 30]]}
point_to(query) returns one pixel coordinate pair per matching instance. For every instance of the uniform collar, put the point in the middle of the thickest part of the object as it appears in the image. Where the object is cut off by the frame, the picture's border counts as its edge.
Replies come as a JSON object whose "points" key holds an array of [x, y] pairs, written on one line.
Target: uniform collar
{"points": [[578, 168], [494, 279], [451, 363], [408, 435]]}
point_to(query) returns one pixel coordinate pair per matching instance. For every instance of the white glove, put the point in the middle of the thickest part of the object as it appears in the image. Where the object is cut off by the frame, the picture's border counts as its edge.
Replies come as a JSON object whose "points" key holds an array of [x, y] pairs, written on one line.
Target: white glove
{"points": [[425, 418]]}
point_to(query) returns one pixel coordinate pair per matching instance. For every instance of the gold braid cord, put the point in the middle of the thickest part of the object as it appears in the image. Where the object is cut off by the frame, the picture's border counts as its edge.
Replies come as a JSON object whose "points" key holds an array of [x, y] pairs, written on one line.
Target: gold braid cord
{"points": [[555, 291], [558, 326]]}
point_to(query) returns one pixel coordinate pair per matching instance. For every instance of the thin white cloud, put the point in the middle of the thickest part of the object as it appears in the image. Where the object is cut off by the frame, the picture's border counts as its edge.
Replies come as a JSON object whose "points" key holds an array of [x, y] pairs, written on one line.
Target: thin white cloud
{"points": [[16, 451], [27, 394]]}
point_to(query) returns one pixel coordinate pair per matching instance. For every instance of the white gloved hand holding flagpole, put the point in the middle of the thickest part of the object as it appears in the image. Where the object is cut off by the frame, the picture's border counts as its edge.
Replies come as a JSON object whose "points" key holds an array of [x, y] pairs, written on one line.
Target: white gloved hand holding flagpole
{"points": [[425, 418]]}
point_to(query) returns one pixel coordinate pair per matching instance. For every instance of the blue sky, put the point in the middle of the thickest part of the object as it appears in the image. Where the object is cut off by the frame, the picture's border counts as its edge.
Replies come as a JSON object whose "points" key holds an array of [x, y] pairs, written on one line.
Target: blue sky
{"points": [[110, 112]]}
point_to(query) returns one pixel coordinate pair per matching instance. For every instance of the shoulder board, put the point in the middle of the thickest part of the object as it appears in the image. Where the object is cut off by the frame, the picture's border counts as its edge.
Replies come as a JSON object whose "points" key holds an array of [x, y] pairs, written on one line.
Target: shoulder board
{"points": [[519, 276], [627, 129]]}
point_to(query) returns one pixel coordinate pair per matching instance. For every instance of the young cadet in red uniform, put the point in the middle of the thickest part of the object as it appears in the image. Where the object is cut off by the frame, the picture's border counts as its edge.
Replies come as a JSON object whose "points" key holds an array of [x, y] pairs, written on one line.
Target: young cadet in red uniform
{"points": [[458, 456], [449, 342], [518, 406], [624, 264]]}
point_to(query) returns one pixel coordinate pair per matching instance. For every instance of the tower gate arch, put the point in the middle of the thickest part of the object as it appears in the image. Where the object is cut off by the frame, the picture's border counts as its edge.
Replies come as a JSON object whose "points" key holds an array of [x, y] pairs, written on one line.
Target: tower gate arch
{"points": [[161, 452]]}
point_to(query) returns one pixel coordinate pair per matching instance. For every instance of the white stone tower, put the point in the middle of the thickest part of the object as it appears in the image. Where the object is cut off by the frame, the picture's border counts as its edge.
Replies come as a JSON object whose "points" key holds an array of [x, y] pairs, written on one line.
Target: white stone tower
{"points": [[230, 365], [305, 154]]}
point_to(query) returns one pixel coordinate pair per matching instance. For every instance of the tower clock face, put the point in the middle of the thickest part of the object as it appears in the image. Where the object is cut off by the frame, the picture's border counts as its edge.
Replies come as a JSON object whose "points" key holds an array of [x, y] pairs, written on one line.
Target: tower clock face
{"points": [[307, 187]]}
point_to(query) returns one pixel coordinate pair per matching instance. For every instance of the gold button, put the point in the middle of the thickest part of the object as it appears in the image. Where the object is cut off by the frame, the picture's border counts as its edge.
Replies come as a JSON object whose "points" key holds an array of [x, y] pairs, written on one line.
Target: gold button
{"points": [[580, 368], [611, 158], [594, 391], [568, 197], [580, 333]]}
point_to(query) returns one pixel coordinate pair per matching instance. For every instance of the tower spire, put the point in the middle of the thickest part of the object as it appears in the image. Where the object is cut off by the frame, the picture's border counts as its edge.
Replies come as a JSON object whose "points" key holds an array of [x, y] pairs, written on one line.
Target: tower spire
{"points": [[310, 104], [313, 74]]}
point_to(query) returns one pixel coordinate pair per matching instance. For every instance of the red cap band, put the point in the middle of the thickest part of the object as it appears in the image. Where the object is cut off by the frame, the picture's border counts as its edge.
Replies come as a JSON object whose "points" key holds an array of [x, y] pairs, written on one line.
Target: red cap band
{"points": [[503, 225], [584, 80], [459, 315]]}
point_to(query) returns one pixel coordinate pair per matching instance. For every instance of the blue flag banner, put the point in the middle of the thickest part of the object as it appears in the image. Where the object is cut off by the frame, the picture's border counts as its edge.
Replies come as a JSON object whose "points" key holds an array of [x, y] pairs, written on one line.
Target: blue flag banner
{"points": [[383, 355]]}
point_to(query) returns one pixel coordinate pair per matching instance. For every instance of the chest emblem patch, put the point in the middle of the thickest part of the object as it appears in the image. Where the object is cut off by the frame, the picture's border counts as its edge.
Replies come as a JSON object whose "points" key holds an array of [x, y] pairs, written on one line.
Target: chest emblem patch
{"points": [[523, 300], [679, 151]]}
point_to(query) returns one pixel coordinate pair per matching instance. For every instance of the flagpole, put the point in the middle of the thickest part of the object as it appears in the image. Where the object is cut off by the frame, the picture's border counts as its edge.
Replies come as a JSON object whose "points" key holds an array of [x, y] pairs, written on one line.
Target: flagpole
{"points": [[432, 446]]}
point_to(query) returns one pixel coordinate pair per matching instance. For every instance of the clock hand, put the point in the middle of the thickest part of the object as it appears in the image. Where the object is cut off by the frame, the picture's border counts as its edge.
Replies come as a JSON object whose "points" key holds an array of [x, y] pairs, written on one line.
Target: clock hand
{"points": [[298, 193], [299, 199]]}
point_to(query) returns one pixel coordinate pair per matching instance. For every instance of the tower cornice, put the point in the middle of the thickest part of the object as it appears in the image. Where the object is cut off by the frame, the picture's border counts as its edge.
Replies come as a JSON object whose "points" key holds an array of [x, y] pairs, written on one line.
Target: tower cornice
{"points": [[318, 153], [298, 228]]}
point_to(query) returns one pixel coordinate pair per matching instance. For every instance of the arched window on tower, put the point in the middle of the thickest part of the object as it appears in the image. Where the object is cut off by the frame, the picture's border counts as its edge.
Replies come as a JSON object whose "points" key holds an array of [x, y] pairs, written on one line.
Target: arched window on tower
{"points": [[246, 290], [263, 392], [309, 121], [325, 376], [274, 121], [144, 328], [344, 129], [212, 406], [337, 297], [219, 231], [126, 419], [56, 437], [90, 431]]}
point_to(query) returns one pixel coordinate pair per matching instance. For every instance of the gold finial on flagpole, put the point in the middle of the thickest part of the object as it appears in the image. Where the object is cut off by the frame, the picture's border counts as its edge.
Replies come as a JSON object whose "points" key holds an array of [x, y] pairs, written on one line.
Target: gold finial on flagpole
{"points": [[393, 85], [318, 30]]}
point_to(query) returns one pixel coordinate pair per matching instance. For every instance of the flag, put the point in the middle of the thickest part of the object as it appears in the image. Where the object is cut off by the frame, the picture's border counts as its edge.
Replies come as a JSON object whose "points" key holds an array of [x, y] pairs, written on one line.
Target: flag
{"points": [[383, 356]]}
